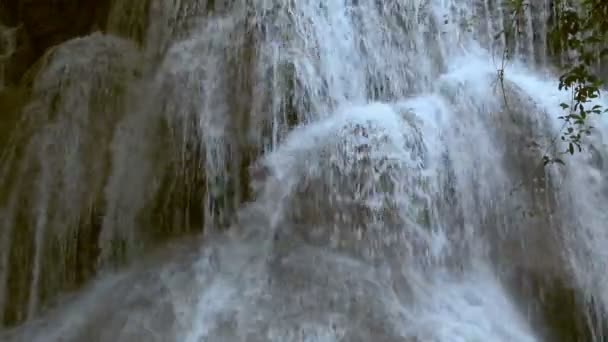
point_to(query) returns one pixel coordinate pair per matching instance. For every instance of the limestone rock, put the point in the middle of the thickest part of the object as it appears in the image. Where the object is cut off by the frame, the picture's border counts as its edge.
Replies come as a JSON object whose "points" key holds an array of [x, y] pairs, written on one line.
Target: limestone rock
{"points": [[40, 24]]}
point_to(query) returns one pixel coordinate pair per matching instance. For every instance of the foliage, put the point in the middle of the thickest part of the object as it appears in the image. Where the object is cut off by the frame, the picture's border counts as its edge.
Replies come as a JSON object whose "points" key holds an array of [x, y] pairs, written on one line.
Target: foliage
{"points": [[580, 36], [583, 33]]}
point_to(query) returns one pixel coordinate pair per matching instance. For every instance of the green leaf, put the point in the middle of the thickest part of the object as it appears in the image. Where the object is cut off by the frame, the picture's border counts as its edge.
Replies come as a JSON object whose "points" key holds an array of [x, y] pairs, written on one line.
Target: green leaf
{"points": [[576, 117]]}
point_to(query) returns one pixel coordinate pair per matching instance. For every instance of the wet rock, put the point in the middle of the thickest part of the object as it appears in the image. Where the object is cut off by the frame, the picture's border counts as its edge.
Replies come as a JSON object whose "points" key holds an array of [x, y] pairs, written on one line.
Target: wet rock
{"points": [[16, 54], [50, 23], [97, 68], [40, 24], [11, 101], [536, 268], [552, 304]]}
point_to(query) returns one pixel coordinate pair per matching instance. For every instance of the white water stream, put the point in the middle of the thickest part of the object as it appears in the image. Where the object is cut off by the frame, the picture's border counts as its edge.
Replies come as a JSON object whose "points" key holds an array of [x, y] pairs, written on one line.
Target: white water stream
{"points": [[401, 186]]}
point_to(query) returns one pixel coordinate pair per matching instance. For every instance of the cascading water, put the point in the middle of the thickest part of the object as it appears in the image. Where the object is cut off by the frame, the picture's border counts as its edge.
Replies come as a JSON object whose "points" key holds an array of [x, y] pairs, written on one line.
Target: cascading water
{"points": [[381, 179]]}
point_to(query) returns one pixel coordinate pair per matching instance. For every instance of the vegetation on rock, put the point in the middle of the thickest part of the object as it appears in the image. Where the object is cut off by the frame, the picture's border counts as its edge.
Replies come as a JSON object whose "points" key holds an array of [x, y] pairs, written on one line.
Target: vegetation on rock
{"points": [[580, 37]]}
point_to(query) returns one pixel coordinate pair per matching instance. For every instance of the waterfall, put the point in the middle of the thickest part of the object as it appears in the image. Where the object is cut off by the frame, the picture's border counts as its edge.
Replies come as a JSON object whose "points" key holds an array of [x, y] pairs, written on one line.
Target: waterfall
{"points": [[322, 170]]}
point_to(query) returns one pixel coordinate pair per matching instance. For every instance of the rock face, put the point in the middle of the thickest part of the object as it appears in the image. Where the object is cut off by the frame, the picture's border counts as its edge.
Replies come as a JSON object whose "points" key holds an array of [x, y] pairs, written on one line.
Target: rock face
{"points": [[40, 24], [28, 28]]}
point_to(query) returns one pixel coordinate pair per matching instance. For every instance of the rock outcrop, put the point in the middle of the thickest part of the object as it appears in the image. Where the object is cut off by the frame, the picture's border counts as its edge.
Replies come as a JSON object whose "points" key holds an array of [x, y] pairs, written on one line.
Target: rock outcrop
{"points": [[33, 26]]}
